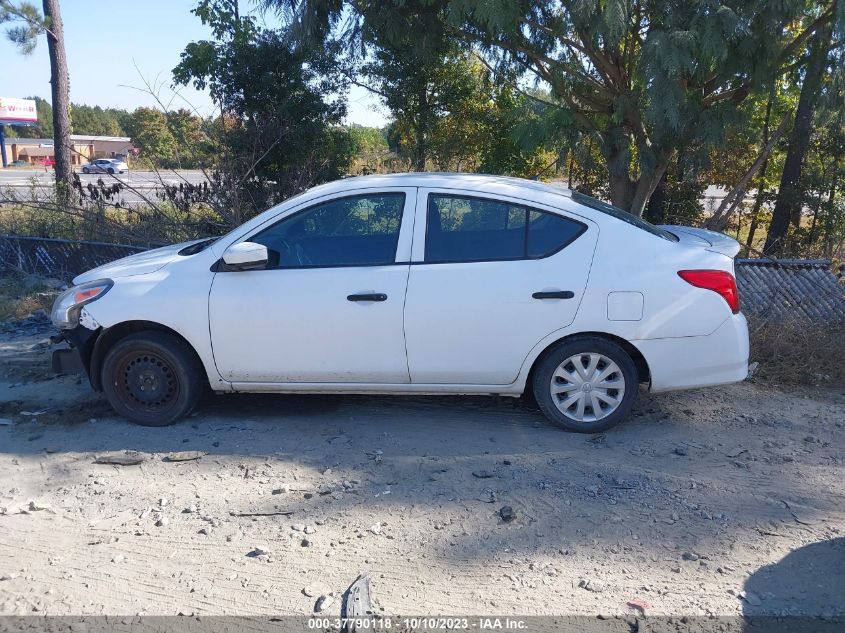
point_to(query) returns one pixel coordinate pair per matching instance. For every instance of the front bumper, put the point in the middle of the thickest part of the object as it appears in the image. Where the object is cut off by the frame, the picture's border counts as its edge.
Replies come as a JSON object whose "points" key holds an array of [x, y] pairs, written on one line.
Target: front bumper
{"points": [[66, 360], [75, 358]]}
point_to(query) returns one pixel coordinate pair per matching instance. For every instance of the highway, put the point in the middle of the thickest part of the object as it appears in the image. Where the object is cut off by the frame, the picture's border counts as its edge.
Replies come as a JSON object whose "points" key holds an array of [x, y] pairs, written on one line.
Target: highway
{"points": [[23, 177], [139, 190]]}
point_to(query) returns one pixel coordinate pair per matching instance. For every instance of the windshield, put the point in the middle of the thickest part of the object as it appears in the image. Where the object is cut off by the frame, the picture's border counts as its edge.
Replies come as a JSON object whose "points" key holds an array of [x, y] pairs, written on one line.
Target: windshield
{"points": [[619, 214]]}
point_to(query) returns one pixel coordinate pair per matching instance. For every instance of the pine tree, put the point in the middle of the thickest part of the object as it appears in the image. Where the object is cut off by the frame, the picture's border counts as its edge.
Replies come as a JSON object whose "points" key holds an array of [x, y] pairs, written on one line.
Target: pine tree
{"points": [[25, 35]]}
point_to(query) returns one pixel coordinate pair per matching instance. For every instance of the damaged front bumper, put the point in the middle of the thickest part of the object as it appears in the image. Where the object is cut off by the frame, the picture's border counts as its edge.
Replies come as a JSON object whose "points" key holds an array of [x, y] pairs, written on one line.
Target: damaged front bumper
{"points": [[75, 357]]}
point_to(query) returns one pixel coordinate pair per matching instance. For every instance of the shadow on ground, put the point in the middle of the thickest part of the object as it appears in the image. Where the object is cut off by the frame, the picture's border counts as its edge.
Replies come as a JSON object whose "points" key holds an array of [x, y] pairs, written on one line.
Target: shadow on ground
{"points": [[803, 592]]}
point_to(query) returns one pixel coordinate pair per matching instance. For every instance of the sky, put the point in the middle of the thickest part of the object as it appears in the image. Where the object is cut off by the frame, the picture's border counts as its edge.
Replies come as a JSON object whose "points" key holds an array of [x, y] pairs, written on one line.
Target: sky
{"points": [[113, 50]]}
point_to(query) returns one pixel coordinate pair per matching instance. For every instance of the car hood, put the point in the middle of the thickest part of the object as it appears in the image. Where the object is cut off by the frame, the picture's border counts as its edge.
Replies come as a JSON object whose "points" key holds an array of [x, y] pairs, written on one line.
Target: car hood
{"points": [[138, 264], [709, 240]]}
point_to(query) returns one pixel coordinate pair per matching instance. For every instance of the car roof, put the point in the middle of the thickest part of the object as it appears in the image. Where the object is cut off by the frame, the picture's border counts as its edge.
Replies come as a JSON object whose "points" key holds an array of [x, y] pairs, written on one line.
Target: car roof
{"points": [[445, 180]]}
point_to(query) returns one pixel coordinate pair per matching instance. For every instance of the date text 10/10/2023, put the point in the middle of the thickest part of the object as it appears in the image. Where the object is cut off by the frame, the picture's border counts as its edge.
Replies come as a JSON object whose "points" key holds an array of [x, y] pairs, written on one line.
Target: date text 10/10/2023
{"points": [[479, 623]]}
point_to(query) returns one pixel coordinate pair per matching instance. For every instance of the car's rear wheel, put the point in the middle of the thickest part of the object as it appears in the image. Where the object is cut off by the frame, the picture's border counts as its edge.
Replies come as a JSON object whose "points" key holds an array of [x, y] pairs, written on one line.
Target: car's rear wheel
{"points": [[111, 170], [85, 170], [586, 384], [152, 378]]}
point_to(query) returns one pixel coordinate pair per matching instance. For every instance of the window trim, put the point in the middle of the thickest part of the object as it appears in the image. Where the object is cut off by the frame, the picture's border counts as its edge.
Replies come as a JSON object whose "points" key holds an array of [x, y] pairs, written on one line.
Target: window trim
{"points": [[221, 267], [528, 209]]}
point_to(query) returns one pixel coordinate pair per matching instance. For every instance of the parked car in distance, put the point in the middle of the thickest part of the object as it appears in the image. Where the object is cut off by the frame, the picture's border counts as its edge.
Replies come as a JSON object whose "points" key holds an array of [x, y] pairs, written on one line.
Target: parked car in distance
{"points": [[105, 166], [416, 284], [19, 163]]}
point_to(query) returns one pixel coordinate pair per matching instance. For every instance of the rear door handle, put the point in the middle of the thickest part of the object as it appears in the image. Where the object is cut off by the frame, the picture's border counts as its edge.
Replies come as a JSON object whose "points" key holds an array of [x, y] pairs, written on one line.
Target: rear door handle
{"points": [[554, 294], [375, 296]]}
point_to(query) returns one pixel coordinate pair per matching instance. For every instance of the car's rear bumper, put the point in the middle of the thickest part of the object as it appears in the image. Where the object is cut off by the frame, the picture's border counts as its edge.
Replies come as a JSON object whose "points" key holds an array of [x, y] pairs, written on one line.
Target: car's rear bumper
{"points": [[698, 361]]}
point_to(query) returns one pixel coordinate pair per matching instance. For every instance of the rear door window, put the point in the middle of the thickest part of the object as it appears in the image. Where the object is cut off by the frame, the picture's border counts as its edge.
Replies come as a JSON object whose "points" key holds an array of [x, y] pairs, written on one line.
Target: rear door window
{"points": [[469, 229]]}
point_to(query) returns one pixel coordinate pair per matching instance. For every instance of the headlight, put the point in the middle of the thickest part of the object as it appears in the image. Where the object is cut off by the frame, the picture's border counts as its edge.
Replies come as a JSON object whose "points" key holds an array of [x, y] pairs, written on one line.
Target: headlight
{"points": [[66, 308]]}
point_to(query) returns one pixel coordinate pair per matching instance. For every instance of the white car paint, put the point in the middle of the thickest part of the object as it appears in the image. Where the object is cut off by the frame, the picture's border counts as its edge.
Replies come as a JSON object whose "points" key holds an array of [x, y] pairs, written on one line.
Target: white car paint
{"points": [[445, 328]]}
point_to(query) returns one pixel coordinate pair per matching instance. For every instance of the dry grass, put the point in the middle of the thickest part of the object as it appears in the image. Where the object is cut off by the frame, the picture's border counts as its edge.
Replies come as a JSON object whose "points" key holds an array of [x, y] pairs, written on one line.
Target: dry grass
{"points": [[794, 352], [21, 295]]}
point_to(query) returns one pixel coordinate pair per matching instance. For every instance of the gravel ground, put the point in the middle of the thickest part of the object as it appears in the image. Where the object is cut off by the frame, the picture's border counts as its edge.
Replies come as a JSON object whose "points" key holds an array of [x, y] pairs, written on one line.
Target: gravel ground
{"points": [[719, 501]]}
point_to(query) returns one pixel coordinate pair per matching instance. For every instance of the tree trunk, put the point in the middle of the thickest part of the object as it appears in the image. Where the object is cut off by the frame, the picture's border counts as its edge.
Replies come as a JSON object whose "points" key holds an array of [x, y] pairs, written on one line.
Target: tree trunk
{"points": [[61, 95], [617, 156], [828, 217], [647, 183], [422, 129], [788, 203], [761, 187], [719, 220], [656, 208]]}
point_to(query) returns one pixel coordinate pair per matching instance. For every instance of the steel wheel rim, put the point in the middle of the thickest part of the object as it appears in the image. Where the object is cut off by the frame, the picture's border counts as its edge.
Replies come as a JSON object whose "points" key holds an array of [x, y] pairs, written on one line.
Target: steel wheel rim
{"points": [[587, 387], [146, 382]]}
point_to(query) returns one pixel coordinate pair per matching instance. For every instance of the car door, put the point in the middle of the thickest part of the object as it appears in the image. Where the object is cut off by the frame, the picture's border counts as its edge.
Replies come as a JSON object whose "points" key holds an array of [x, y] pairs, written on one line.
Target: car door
{"points": [[490, 277], [328, 306]]}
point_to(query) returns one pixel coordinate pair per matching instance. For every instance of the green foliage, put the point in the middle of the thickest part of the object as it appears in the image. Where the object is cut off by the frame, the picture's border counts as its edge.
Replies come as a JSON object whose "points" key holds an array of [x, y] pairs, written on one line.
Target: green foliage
{"points": [[24, 24], [371, 151], [150, 134], [281, 107], [451, 113], [98, 121], [643, 78]]}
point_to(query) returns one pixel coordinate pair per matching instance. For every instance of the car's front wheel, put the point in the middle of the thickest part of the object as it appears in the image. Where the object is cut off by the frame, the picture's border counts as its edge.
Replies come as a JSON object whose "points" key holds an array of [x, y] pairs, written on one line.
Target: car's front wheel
{"points": [[586, 384], [152, 378], [85, 170], [111, 170]]}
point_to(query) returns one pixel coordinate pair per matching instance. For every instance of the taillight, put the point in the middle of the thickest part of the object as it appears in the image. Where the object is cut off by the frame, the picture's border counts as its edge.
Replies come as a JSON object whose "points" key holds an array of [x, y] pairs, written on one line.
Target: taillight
{"points": [[715, 280]]}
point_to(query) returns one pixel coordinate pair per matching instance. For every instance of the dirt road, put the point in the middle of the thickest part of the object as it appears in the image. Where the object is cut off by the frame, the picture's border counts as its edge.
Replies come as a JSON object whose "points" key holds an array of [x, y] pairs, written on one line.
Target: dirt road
{"points": [[720, 501]]}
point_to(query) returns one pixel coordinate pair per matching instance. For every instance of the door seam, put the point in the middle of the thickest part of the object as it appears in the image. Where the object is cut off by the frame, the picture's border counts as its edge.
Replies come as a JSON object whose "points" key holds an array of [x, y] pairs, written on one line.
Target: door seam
{"points": [[407, 283]]}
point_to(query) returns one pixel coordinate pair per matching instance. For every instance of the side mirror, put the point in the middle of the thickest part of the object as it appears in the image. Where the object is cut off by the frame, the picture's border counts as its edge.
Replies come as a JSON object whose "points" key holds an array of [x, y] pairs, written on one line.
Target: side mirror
{"points": [[245, 256]]}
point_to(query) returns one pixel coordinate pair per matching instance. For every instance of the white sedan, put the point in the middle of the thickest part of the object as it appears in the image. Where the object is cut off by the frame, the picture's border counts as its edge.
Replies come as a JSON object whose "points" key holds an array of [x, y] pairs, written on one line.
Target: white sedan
{"points": [[416, 284], [106, 166]]}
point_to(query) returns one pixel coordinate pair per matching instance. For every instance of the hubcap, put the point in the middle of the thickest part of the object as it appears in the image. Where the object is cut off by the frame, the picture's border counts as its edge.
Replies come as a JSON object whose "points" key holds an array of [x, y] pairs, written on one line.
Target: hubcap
{"points": [[587, 387]]}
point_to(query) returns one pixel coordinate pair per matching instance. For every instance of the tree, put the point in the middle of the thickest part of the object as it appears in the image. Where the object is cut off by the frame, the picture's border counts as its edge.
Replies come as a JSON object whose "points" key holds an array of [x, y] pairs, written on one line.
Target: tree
{"points": [[280, 109], [789, 200], [371, 148], [452, 113], [25, 36], [150, 134], [190, 144], [97, 121], [642, 78], [420, 88]]}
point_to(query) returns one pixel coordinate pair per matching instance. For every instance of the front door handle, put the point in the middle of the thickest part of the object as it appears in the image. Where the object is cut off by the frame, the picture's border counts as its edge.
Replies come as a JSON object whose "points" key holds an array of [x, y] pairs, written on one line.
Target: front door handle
{"points": [[554, 294], [375, 296]]}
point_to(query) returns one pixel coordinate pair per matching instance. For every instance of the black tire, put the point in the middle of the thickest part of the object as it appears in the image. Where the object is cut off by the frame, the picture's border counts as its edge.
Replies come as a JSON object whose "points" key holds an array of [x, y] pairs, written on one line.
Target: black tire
{"points": [[548, 365], [85, 170], [152, 378], [111, 170]]}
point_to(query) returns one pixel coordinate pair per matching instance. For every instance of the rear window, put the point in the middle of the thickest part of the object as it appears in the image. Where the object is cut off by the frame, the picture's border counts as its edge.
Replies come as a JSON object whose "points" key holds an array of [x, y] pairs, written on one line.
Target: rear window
{"points": [[619, 214]]}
